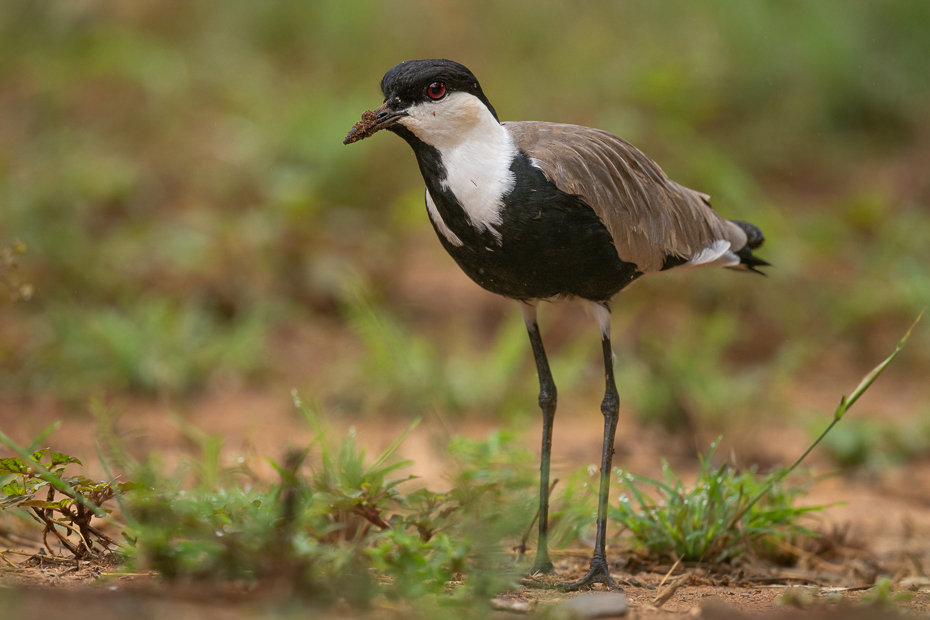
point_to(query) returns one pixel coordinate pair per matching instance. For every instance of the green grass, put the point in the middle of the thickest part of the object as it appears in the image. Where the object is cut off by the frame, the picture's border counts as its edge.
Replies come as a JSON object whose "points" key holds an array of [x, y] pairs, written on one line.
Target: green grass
{"points": [[333, 517], [152, 346], [708, 521]]}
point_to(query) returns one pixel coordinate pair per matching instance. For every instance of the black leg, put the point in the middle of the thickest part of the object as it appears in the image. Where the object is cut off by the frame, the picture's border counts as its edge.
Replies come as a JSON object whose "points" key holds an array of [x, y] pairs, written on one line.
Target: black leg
{"points": [[547, 402], [610, 407]]}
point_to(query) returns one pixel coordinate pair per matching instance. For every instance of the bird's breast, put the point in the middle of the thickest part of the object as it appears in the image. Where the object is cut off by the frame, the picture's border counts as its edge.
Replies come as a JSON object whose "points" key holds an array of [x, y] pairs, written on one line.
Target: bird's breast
{"points": [[541, 242]]}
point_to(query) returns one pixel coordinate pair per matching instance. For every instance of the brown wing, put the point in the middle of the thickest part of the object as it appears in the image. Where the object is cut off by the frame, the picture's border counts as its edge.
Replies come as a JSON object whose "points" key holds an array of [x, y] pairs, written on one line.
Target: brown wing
{"points": [[648, 215]]}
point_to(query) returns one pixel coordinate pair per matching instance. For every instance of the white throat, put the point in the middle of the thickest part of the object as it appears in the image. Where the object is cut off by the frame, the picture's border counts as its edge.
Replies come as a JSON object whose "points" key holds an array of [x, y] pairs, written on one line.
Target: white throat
{"points": [[476, 152]]}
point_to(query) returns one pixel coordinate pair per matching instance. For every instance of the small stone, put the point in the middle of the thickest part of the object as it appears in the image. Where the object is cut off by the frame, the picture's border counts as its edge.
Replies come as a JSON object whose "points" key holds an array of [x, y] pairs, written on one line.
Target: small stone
{"points": [[914, 583], [597, 605], [718, 610]]}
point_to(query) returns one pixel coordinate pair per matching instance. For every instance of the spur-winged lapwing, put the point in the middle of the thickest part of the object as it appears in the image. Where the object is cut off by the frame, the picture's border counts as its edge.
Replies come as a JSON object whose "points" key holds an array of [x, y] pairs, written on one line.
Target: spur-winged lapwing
{"points": [[537, 211]]}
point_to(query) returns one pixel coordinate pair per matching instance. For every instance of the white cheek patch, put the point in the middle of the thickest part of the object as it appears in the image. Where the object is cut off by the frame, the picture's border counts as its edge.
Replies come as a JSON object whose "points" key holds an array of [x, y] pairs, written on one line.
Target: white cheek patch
{"points": [[446, 123], [476, 153], [434, 215]]}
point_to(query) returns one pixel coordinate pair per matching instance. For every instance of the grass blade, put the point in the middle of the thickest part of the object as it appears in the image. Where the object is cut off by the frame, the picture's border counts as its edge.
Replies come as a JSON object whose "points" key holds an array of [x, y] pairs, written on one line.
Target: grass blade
{"points": [[393, 447], [845, 404]]}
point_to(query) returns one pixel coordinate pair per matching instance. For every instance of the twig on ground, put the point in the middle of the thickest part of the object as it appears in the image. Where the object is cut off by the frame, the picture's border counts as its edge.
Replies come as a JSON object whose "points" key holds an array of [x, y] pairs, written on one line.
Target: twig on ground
{"points": [[669, 590]]}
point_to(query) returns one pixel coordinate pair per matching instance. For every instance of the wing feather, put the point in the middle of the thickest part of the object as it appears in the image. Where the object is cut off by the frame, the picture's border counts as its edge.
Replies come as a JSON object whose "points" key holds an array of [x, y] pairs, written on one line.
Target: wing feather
{"points": [[648, 216]]}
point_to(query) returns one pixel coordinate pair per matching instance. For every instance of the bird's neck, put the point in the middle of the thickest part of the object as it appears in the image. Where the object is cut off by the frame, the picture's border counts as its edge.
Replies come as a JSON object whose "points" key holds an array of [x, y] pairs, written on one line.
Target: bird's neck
{"points": [[468, 170]]}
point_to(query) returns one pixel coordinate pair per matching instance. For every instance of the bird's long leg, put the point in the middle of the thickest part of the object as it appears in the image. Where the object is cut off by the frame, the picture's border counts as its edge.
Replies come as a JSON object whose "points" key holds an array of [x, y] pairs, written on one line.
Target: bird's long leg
{"points": [[547, 402], [610, 407]]}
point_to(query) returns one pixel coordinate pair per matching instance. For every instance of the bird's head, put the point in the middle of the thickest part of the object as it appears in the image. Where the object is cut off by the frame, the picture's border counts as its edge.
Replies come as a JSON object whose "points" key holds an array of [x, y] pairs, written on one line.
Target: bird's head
{"points": [[437, 101]]}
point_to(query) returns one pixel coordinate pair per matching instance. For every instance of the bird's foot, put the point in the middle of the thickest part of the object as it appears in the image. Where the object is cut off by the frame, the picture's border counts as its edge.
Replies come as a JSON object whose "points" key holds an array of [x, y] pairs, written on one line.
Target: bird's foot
{"points": [[599, 573]]}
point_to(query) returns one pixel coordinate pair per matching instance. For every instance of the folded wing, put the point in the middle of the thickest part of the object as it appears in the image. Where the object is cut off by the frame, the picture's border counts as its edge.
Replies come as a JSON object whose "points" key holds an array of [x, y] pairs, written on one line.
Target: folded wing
{"points": [[654, 221]]}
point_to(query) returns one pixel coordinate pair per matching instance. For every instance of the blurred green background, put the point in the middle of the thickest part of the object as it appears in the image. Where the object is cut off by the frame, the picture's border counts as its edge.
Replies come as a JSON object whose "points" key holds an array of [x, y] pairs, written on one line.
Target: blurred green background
{"points": [[194, 223]]}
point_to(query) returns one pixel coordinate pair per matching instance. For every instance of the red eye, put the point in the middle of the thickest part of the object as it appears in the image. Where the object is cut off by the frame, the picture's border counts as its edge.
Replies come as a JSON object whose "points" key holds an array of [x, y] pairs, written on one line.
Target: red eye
{"points": [[436, 90]]}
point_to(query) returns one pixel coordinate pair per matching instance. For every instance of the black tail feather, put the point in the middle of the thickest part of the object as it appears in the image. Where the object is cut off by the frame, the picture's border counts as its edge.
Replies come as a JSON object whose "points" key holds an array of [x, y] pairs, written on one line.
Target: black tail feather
{"points": [[754, 239], [750, 262]]}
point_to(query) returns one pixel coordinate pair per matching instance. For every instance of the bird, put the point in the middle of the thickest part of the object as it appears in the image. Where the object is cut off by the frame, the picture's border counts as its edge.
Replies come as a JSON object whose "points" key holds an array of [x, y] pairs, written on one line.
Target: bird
{"points": [[537, 211]]}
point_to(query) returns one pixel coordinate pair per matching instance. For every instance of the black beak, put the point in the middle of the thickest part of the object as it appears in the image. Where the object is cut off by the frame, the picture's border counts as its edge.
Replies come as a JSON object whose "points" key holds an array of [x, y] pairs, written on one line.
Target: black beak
{"points": [[371, 122]]}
